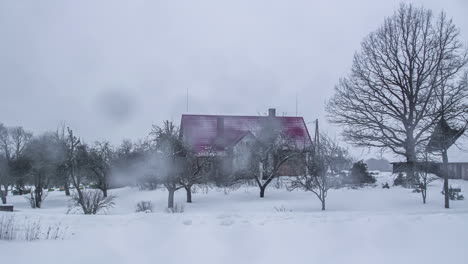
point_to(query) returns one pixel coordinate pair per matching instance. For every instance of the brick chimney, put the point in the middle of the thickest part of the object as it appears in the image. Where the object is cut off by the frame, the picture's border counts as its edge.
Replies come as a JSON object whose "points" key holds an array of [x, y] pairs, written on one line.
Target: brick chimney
{"points": [[220, 126], [271, 112]]}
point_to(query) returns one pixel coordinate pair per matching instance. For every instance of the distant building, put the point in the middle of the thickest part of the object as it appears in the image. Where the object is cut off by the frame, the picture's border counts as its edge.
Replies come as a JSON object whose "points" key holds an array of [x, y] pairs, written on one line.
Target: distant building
{"points": [[457, 170], [379, 165], [229, 136]]}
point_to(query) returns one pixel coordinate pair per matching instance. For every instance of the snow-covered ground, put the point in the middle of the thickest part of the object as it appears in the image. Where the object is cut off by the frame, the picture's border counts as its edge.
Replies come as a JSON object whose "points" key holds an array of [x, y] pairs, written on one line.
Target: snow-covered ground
{"points": [[368, 225]]}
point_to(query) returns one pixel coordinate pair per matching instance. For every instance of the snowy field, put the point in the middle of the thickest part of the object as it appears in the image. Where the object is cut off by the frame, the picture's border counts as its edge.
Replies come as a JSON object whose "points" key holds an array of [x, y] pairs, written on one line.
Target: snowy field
{"points": [[368, 225]]}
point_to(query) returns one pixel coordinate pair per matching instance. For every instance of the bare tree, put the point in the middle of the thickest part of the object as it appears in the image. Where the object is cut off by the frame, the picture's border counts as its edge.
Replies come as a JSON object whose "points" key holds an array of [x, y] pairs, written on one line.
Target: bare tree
{"points": [[320, 162], [5, 175], [389, 100], [424, 179], [63, 171], [76, 164], [4, 178], [44, 155], [194, 169], [168, 158], [100, 159], [270, 152], [19, 166]]}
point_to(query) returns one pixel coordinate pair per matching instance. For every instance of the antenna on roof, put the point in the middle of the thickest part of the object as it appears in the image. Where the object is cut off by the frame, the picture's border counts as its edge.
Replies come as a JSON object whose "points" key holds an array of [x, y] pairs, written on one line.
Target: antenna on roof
{"points": [[296, 104], [186, 103]]}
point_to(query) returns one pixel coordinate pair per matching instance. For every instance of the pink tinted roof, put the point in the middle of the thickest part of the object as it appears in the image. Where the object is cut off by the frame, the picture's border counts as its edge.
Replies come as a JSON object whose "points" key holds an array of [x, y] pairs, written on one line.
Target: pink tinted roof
{"points": [[201, 131]]}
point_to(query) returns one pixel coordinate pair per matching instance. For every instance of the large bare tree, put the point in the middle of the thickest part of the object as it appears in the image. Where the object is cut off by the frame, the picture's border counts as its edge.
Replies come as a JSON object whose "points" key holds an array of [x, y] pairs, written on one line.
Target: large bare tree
{"points": [[390, 98]]}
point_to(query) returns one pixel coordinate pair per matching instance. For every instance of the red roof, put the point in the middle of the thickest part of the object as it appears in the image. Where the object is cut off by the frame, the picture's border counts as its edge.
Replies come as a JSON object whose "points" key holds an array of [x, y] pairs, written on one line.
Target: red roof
{"points": [[201, 131]]}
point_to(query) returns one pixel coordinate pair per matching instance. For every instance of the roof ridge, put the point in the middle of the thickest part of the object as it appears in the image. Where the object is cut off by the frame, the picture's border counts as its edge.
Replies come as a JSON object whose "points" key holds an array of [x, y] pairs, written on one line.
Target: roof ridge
{"points": [[239, 116]]}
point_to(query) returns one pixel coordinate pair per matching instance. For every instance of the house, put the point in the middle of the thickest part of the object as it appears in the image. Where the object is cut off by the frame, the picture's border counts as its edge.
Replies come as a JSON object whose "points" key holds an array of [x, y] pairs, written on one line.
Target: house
{"points": [[230, 136], [457, 170]]}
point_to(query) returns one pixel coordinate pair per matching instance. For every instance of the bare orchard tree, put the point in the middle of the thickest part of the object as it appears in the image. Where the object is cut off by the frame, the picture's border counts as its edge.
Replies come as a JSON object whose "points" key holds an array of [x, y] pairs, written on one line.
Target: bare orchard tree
{"points": [[4, 177], [45, 155], [168, 158], [270, 152], [194, 174], [63, 171], [424, 179], [100, 159], [76, 163], [19, 166], [320, 162], [5, 152], [389, 100]]}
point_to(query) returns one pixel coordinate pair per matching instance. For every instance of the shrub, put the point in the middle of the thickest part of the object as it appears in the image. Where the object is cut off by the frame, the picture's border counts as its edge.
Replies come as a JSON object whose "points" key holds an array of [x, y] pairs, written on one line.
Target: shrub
{"points": [[144, 206], [36, 198], [281, 209], [91, 201], [359, 173], [399, 180], [12, 228], [386, 186], [455, 194], [177, 209]]}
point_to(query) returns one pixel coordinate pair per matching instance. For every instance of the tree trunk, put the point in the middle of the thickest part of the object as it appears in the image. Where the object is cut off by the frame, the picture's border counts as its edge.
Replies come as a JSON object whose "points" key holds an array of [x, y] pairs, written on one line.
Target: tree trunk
{"points": [[446, 175], [411, 161], [423, 192], [38, 196], [188, 189], [104, 191], [3, 194], [262, 191], [323, 204], [67, 189], [170, 199]]}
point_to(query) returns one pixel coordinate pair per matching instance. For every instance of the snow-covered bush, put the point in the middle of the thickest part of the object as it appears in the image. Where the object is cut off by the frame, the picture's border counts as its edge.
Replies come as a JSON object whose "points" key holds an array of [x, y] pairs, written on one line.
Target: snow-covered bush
{"points": [[177, 209], [144, 206], [91, 201], [385, 186]]}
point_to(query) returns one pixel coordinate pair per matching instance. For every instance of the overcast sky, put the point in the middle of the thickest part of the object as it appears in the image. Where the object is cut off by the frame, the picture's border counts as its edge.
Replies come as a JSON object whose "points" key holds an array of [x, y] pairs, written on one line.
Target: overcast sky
{"points": [[111, 69]]}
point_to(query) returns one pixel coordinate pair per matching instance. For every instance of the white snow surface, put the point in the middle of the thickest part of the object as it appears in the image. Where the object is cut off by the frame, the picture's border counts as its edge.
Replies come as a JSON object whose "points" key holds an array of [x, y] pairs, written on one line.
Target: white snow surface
{"points": [[366, 225]]}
